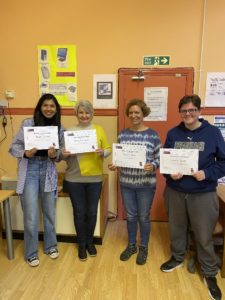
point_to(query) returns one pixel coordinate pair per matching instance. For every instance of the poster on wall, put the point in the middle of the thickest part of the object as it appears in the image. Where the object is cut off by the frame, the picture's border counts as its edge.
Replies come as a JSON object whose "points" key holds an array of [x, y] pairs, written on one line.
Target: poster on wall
{"points": [[219, 122], [104, 91], [215, 89], [57, 72], [156, 98]]}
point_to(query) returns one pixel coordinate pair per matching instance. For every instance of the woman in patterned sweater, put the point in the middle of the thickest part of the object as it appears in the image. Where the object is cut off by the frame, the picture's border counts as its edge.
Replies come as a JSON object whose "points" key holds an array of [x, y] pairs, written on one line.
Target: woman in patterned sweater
{"points": [[138, 185]]}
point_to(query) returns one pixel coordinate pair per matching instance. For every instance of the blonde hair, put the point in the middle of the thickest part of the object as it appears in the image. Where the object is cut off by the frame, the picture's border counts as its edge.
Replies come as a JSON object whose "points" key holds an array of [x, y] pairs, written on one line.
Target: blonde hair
{"points": [[87, 105]]}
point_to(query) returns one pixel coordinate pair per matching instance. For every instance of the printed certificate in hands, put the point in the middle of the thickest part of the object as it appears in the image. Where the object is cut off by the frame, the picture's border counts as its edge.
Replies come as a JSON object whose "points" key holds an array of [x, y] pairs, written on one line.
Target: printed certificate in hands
{"points": [[129, 156], [184, 161], [41, 137], [80, 141]]}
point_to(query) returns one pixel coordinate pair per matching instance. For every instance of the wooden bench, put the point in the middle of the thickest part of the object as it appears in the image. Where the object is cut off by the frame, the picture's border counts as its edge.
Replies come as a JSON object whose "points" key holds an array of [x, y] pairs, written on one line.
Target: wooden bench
{"points": [[4, 198]]}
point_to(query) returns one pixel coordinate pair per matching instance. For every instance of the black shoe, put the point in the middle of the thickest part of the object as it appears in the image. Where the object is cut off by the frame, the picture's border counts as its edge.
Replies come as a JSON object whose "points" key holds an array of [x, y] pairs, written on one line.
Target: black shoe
{"points": [[171, 265], [214, 290], [82, 254], [91, 249], [142, 255], [128, 252]]}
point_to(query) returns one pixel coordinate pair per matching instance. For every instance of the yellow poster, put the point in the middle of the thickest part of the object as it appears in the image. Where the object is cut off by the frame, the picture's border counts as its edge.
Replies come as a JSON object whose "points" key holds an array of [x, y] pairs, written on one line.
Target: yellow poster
{"points": [[57, 72]]}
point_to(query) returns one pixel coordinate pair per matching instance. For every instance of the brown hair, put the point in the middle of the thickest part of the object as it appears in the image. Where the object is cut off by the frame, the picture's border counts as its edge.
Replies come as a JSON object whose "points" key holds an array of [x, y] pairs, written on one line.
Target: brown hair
{"points": [[143, 106], [194, 99]]}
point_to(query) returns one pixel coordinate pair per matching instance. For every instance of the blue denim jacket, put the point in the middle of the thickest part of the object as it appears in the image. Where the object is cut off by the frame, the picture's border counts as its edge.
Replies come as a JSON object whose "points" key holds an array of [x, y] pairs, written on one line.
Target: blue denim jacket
{"points": [[17, 150]]}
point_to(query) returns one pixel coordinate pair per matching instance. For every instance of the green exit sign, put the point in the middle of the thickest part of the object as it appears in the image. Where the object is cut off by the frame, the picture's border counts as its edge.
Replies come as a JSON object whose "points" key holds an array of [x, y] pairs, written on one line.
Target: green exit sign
{"points": [[156, 60]]}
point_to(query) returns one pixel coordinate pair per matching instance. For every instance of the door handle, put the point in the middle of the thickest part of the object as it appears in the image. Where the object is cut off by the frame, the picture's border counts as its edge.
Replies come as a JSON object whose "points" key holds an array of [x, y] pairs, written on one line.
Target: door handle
{"points": [[139, 77]]}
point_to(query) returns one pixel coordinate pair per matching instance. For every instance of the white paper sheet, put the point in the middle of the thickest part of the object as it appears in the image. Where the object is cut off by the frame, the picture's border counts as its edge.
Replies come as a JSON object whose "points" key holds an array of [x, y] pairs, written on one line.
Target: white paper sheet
{"points": [[129, 156], [184, 161], [156, 98], [81, 141], [215, 89], [41, 137]]}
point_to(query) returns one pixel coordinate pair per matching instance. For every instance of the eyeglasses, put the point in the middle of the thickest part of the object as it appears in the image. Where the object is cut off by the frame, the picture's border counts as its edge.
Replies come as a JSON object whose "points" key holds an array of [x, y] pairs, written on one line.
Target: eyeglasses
{"points": [[190, 111]]}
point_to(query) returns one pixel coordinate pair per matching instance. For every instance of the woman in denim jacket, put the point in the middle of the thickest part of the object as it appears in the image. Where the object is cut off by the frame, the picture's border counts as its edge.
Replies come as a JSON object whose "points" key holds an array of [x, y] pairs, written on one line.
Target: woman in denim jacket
{"points": [[37, 178]]}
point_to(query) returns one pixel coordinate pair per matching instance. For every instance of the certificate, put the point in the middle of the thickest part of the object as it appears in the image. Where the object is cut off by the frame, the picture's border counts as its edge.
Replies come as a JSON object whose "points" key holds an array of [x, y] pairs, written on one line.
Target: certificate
{"points": [[81, 141], [184, 161], [41, 137], [129, 156]]}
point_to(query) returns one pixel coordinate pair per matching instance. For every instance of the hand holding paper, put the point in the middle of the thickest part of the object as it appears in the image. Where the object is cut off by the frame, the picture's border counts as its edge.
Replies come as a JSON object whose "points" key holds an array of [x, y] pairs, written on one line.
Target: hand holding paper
{"points": [[52, 152], [149, 167], [81, 141], [129, 156], [41, 137], [31, 152], [183, 161]]}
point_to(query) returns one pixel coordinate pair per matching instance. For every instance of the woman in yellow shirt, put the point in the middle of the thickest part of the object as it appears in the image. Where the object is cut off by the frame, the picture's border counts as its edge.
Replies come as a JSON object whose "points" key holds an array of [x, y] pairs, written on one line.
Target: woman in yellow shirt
{"points": [[83, 180]]}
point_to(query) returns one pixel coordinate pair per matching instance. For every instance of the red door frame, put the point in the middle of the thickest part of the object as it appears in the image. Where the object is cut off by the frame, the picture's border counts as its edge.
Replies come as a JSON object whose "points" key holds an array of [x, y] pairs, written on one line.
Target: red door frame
{"points": [[122, 72]]}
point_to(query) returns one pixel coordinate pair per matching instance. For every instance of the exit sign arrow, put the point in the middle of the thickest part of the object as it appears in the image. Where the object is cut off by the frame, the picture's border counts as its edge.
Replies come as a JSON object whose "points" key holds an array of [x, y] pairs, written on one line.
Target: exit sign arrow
{"points": [[164, 60], [156, 60]]}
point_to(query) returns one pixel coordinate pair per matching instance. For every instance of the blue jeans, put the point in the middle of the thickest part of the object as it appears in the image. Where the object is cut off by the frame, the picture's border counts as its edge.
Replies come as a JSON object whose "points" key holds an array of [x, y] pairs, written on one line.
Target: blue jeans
{"points": [[84, 198], [137, 203], [33, 190]]}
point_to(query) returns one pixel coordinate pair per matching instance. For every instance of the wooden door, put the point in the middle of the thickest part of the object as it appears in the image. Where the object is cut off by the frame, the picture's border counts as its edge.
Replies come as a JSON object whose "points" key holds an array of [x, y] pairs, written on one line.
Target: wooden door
{"points": [[131, 85]]}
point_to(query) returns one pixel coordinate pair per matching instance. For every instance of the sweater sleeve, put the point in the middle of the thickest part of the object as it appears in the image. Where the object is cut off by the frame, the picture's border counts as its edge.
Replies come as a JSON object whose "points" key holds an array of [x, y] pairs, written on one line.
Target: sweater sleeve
{"points": [[61, 144], [17, 148], [156, 161], [104, 142]]}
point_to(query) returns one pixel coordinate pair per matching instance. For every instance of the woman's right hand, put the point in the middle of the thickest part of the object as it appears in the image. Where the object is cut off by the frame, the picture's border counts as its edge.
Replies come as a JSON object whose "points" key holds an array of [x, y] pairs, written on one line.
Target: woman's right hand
{"points": [[112, 167], [30, 153]]}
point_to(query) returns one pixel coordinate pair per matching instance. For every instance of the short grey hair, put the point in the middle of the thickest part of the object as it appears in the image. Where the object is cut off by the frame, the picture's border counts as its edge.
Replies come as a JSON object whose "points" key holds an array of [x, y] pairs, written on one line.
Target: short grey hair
{"points": [[87, 105]]}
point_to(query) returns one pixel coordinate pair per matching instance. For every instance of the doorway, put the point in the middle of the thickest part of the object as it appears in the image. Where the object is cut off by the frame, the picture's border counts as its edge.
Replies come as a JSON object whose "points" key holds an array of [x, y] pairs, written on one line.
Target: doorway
{"points": [[132, 82]]}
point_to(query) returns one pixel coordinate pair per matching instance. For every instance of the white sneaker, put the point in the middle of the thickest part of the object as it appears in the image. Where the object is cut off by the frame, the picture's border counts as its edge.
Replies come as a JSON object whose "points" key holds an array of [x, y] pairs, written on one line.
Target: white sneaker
{"points": [[33, 261], [53, 253]]}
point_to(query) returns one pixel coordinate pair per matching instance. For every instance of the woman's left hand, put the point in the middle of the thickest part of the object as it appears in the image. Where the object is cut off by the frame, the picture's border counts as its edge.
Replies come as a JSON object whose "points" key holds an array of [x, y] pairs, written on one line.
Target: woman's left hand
{"points": [[149, 167], [100, 152], [52, 152]]}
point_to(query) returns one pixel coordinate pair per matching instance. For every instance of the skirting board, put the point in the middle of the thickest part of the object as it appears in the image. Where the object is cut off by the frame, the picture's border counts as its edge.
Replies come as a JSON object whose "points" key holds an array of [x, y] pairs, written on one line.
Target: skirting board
{"points": [[18, 235]]}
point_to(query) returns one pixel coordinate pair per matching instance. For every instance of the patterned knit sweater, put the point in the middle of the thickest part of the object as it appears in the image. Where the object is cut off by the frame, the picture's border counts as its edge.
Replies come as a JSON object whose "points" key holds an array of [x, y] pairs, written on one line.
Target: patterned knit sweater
{"points": [[139, 178]]}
